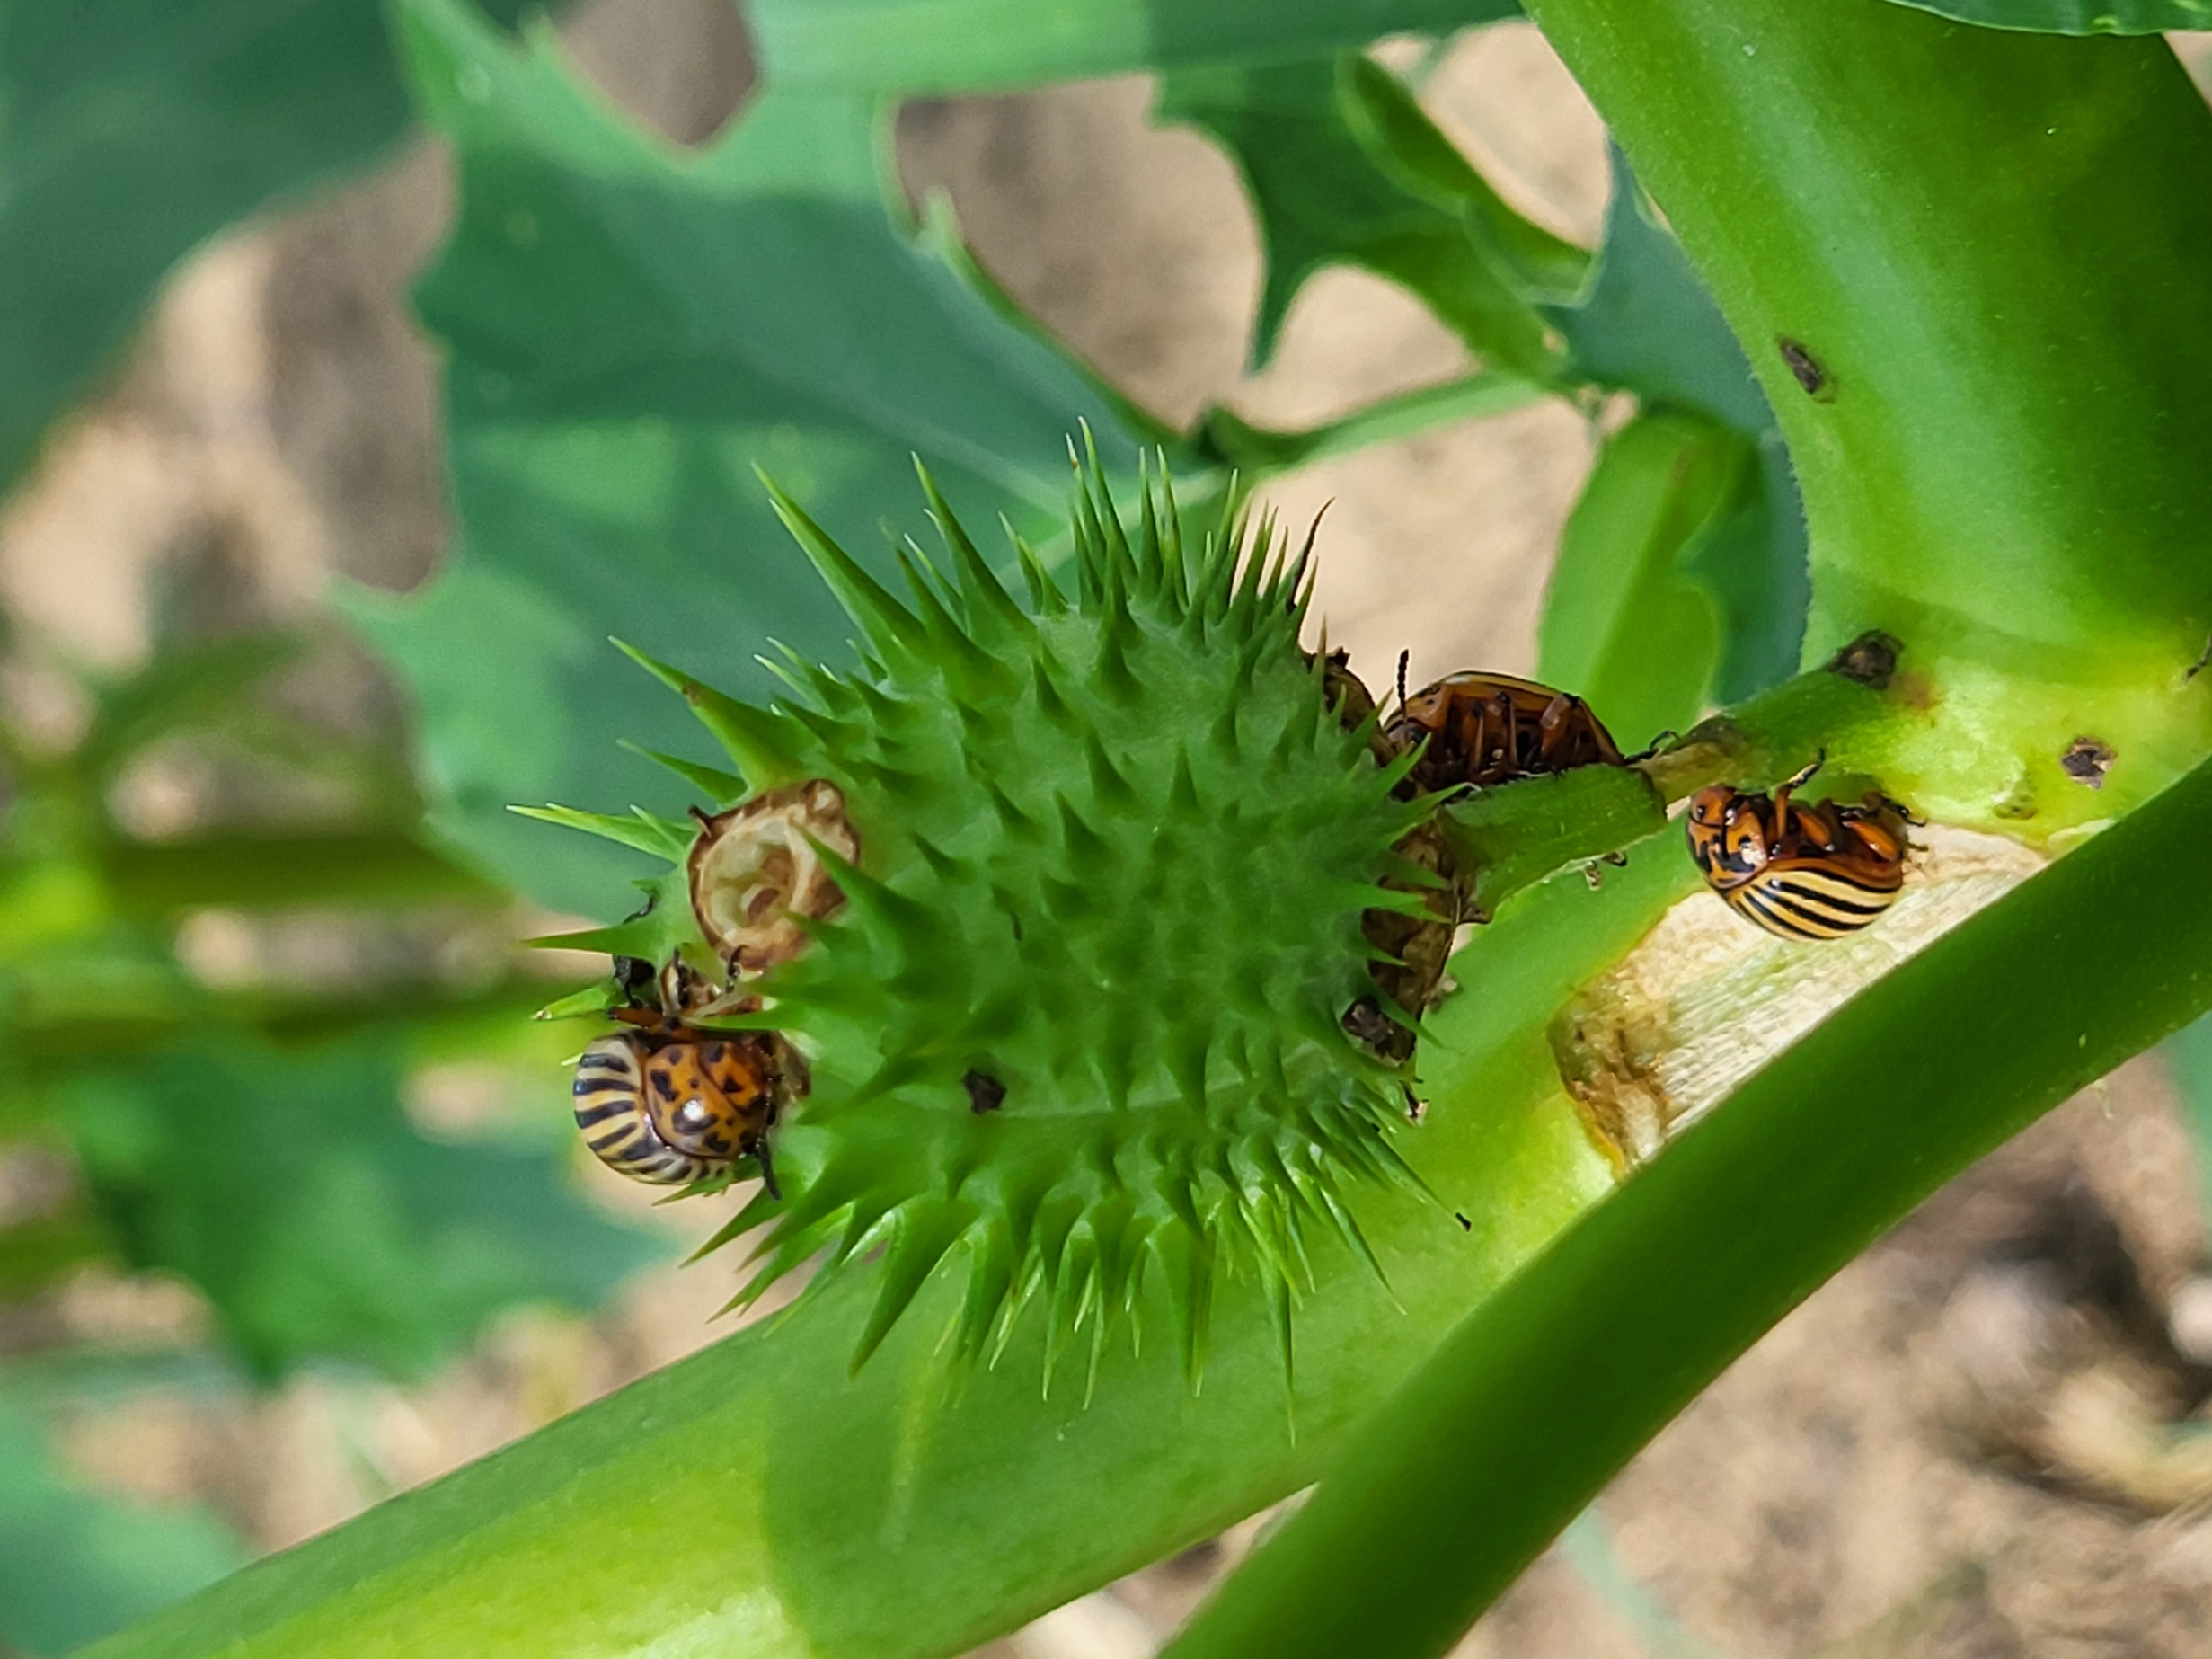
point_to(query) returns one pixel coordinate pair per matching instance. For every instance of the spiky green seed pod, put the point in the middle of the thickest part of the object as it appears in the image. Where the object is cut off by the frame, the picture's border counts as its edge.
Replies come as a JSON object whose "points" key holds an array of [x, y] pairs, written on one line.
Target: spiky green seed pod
{"points": [[1078, 1019]]}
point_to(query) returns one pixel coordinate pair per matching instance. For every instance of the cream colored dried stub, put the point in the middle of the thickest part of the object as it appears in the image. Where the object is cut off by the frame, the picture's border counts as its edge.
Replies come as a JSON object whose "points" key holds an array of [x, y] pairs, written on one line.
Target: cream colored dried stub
{"points": [[755, 869], [1706, 999]]}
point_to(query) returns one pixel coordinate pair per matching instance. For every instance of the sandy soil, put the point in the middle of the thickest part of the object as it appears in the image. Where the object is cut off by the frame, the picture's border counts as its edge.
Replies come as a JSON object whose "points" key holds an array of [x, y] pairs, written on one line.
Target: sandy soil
{"points": [[1965, 1446]]}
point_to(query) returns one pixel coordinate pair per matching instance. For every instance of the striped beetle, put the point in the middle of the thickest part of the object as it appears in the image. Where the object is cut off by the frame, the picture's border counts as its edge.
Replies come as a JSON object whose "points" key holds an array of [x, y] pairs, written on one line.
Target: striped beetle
{"points": [[665, 1103], [1485, 729], [1800, 872]]}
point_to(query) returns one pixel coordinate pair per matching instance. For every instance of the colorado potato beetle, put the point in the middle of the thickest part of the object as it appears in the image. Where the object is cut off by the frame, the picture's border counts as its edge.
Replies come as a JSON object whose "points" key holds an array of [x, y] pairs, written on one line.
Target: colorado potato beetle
{"points": [[1800, 872], [1484, 728], [669, 1104]]}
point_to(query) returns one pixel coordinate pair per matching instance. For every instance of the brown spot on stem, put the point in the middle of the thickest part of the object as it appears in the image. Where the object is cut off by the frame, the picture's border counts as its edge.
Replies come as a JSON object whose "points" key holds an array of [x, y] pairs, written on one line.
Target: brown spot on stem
{"points": [[1806, 367], [2086, 761], [1870, 659], [984, 1093]]}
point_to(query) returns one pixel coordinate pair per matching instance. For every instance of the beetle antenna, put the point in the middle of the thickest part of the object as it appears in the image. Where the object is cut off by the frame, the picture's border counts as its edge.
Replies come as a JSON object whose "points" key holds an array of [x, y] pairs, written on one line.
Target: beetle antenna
{"points": [[1405, 657], [767, 1170]]}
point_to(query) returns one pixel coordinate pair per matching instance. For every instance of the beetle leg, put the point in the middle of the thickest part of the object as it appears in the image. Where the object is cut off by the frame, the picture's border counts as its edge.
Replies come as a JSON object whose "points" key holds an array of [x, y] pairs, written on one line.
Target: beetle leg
{"points": [[1799, 780], [1509, 748], [1550, 731], [1782, 792]]}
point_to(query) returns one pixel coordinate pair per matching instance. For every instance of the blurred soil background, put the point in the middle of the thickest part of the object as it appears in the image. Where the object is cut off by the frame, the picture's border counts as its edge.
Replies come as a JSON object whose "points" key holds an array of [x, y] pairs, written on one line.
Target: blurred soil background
{"points": [[1982, 1440]]}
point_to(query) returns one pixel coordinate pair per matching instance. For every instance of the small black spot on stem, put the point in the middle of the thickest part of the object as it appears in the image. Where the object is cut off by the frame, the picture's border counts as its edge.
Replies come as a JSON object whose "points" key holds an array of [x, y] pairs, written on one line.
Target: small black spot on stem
{"points": [[1872, 659], [2086, 761], [984, 1093], [1806, 367], [1463, 1220]]}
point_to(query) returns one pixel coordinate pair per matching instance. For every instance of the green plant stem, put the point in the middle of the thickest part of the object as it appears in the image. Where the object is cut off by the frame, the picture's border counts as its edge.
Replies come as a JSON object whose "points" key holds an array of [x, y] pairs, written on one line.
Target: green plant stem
{"points": [[1975, 237], [1519, 834], [1226, 438], [264, 872], [1541, 1393], [52, 1044]]}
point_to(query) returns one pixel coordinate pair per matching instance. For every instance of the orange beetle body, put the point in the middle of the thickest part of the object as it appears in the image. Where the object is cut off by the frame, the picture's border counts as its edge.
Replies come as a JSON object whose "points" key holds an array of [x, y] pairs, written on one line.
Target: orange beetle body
{"points": [[1800, 872], [668, 1103], [1486, 729]]}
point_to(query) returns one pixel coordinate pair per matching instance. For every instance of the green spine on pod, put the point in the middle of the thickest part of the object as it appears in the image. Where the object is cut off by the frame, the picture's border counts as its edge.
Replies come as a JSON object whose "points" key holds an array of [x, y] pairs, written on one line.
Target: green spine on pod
{"points": [[1077, 1020]]}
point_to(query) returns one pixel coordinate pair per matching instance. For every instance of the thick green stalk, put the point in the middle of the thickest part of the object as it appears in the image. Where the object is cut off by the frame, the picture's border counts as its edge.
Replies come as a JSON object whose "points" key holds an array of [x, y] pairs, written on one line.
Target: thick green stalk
{"points": [[1975, 243], [1960, 267], [1541, 1393]]}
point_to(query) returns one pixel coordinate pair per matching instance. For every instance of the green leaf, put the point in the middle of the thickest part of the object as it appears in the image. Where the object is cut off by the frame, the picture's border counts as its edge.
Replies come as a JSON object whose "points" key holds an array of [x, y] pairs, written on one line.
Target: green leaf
{"points": [[1397, 133], [797, 1510], [75, 1565], [289, 1186], [1647, 325], [921, 47], [630, 332], [196, 685], [1344, 169], [2075, 16], [1626, 624], [130, 130], [1542, 1393]]}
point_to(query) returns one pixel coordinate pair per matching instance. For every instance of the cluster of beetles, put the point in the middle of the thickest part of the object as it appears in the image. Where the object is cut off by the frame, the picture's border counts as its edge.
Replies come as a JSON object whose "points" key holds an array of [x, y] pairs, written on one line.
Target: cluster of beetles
{"points": [[669, 1100]]}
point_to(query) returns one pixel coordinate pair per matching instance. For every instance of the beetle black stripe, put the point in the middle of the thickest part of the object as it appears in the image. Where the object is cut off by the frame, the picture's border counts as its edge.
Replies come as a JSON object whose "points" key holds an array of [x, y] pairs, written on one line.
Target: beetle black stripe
{"points": [[1752, 905], [588, 1116], [1760, 903], [1818, 905], [603, 1085], [1847, 904], [1798, 908], [1838, 883]]}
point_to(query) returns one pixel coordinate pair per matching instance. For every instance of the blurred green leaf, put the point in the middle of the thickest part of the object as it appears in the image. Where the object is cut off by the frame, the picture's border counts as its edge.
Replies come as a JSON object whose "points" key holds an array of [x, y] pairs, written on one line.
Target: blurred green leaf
{"points": [[74, 1564], [269, 869], [193, 684], [1343, 168], [920, 46], [2075, 16], [1626, 621], [36, 1251], [82, 1377], [289, 1188], [130, 130], [1647, 325], [630, 332]]}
